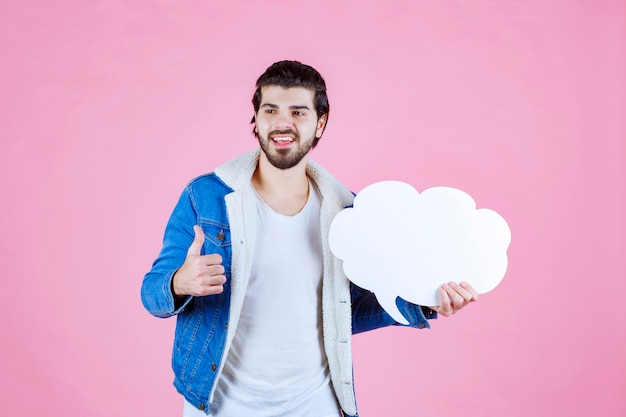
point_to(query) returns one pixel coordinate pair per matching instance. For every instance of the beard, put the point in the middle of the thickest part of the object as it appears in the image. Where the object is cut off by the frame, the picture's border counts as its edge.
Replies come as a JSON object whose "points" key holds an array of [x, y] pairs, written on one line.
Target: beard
{"points": [[285, 158]]}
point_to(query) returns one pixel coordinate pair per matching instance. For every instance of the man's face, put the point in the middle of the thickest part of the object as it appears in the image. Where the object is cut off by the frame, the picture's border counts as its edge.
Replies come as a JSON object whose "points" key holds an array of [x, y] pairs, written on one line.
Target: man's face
{"points": [[287, 124]]}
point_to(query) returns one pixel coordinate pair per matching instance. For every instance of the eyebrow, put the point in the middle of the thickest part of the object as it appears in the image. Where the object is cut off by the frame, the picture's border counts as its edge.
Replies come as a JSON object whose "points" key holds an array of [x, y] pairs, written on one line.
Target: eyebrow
{"points": [[295, 107]]}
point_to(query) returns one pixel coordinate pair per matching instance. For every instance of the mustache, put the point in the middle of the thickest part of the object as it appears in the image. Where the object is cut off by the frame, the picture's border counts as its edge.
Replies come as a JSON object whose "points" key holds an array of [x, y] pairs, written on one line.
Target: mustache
{"points": [[283, 132]]}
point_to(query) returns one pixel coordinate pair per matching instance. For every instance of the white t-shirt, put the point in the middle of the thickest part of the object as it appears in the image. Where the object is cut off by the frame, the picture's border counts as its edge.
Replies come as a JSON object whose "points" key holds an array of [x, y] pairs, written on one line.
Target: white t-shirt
{"points": [[276, 365]]}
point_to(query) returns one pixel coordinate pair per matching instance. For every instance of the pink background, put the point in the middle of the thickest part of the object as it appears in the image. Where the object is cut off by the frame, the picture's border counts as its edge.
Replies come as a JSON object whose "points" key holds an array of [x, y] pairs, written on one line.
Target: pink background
{"points": [[108, 108]]}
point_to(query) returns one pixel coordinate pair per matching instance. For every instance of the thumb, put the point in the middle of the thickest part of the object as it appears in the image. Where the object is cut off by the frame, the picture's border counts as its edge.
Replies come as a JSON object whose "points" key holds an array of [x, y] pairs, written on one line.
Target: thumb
{"points": [[198, 241]]}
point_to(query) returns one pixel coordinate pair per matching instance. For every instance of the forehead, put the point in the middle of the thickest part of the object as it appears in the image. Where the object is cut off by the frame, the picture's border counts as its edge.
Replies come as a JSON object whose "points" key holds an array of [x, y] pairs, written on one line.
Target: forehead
{"points": [[274, 94]]}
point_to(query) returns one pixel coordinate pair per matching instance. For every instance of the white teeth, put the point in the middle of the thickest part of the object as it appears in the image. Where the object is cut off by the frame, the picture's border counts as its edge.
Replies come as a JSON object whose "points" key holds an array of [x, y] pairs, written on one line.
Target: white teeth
{"points": [[283, 139]]}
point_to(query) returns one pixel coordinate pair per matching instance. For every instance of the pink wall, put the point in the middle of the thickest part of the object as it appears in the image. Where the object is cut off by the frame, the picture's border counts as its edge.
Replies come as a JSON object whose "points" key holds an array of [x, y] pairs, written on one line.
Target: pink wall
{"points": [[108, 108]]}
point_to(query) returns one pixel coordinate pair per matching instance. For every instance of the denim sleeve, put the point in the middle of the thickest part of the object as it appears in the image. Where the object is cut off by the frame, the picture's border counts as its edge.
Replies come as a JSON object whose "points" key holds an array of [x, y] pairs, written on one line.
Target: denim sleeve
{"points": [[156, 289], [367, 314]]}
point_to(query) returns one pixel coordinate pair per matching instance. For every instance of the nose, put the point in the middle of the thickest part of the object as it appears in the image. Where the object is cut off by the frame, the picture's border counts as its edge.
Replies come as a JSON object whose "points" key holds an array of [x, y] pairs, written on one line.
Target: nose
{"points": [[283, 121]]}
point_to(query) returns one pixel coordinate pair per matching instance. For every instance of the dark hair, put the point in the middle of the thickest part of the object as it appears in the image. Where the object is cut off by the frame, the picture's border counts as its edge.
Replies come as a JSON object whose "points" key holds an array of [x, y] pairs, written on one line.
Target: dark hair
{"points": [[289, 74]]}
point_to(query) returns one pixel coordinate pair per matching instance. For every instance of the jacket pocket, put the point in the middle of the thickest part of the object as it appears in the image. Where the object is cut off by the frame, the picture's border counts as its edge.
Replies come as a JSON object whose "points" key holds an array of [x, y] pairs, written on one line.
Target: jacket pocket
{"points": [[216, 233]]}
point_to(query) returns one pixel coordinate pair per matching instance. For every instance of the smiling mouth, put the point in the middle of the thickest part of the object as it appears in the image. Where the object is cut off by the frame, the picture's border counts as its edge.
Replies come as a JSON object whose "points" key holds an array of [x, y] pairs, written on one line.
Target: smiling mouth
{"points": [[282, 139]]}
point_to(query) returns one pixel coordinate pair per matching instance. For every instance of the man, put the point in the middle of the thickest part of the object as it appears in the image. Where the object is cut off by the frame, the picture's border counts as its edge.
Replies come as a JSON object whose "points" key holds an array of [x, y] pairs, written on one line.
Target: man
{"points": [[264, 312]]}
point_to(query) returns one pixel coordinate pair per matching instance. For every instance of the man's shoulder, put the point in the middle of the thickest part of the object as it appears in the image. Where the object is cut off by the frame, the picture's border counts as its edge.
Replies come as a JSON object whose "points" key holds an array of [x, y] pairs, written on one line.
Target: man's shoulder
{"points": [[328, 184], [231, 174], [205, 186], [204, 179], [237, 172]]}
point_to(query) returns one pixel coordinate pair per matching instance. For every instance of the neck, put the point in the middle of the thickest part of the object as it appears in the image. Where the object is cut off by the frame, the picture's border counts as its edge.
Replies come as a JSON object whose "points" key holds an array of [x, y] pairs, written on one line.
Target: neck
{"points": [[286, 191]]}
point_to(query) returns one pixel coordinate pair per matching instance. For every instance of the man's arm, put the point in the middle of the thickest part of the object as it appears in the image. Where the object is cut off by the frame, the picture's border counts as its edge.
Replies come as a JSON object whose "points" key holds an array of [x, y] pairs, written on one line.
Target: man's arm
{"points": [[181, 271], [367, 314], [157, 293]]}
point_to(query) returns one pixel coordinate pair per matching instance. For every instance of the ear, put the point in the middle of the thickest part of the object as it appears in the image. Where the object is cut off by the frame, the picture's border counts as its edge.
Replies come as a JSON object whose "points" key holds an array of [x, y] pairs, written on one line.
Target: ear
{"points": [[253, 122], [321, 124]]}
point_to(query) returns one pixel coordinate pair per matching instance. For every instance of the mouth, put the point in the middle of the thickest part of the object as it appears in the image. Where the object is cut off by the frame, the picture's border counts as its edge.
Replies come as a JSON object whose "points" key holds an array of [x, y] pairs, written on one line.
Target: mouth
{"points": [[282, 139]]}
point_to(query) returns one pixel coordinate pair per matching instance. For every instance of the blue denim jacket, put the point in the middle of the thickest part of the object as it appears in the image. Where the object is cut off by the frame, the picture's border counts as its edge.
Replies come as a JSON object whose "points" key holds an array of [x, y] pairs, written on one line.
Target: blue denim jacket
{"points": [[220, 203]]}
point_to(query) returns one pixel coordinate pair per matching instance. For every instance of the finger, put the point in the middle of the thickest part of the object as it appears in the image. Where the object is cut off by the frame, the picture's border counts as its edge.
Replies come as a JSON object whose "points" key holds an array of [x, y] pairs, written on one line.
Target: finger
{"points": [[212, 290], [457, 300], [216, 280], [212, 259], [471, 289], [203, 268], [214, 270], [460, 296], [214, 285], [445, 308], [196, 246]]}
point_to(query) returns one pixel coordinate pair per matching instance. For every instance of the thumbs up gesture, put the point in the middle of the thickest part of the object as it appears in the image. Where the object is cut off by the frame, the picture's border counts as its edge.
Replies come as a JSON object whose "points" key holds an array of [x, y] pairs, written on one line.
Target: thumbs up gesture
{"points": [[200, 274]]}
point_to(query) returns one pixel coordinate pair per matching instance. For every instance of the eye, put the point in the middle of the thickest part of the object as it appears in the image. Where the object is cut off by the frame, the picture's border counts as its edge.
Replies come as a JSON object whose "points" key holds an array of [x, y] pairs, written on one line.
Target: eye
{"points": [[298, 113], [270, 111]]}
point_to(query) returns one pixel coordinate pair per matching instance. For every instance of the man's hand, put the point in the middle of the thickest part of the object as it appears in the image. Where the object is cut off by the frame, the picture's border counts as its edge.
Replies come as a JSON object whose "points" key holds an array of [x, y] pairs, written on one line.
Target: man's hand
{"points": [[454, 297], [200, 274]]}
